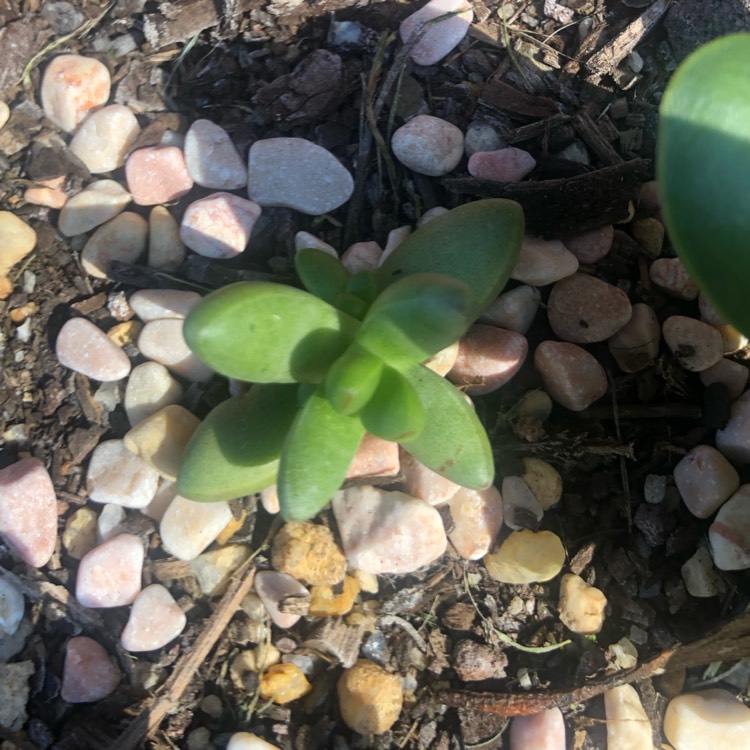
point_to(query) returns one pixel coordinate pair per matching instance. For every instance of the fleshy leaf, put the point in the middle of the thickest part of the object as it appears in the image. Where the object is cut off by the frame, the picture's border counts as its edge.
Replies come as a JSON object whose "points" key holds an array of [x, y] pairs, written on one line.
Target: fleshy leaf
{"points": [[353, 379], [395, 411], [315, 458], [321, 273], [703, 153], [236, 448], [477, 243], [416, 317], [453, 442], [364, 285], [268, 333]]}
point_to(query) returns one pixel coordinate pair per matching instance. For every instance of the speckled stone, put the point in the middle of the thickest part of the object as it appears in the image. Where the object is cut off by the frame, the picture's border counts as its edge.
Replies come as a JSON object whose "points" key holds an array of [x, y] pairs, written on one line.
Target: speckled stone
{"points": [[308, 552], [477, 518], [105, 137], [117, 475], [543, 262], [83, 347], [123, 238], [428, 145], [696, 345], [89, 673], [440, 37], [507, 164], [95, 205], [590, 247], [110, 574], [375, 457], [155, 620], [581, 607], [157, 174], [211, 158], [705, 480], [672, 276]]}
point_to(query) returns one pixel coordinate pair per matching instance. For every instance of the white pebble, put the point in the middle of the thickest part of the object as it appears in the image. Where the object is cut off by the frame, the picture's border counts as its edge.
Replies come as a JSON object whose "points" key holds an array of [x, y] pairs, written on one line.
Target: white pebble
{"points": [[187, 528], [543, 262], [729, 534], [154, 304], [514, 310], [105, 137], [211, 158], [521, 508], [83, 347], [109, 522], [733, 440], [162, 341], [12, 607], [97, 204], [150, 388], [165, 248], [117, 476], [628, 725], [439, 37], [428, 145], [696, 345], [123, 238], [155, 620]]}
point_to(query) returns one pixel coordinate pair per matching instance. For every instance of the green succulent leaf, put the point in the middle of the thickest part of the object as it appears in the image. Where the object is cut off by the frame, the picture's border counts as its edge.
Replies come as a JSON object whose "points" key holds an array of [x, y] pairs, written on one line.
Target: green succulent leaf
{"points": [[317, 453], [416, 317], [703, 171], [353, 379], [321, 273], [268, 333], [395, 411], [364, 285], [236, 448], [351, 305], [477, 243], [453, 442]]}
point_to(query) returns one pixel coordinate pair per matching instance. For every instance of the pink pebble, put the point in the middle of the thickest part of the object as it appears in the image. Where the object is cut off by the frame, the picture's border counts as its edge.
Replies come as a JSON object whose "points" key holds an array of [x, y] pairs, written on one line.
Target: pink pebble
{"points": [[440, 37], [504, 165], [477, 518], [28, 511], [83, 347], [110, 574], [89, 674], [272, 588], [155, 620], [590, 247], [705, 480], [375, 457], [672, 276], [362, 256], [45, 195], [157, 174], [220, 225], [542, 731]]}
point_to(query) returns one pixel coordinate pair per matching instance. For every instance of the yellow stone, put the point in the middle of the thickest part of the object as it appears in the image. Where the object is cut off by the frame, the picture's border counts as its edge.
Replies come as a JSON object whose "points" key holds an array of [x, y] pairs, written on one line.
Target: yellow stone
{"points": [[284, 683], [628, 725], [79, 536], [232, 528], [214, 569], [308, 552], [324, 602], [370, 699], [17, 240], [526, 557], [581, 606], [125, 333], [544, 481], [368, 582]]}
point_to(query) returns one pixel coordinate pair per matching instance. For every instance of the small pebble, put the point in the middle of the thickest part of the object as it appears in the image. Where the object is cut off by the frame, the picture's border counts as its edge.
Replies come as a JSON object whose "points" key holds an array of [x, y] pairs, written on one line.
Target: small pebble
{"points": [[474, 661], [308, 552], [117, 475], [212, 706], [150, 388], [521, 509], [481, 136], [581, 607], [154, 304], [590, 247], [477, 518], [211, 158], [488, 357], [514, 310], [110, 575], [650, 234], [273, 588], [732, 375], [157, 174], [362, 256], [329, 601], [700, 576], [576, 152], [395, 238], [298, 174], [89, 673], [213, 569], [109, 523], [654, 488], [507, 164], [424, 483], [387, 532], [49, 193], [672, 276], [636, 345], [187, 528], [428, 145], [429, 215], [526, 557], [709, 314], [705, 480], [73, 85], [543, 262], [269, 498], [540, 731], [370, 698], [125, 334], [543, 480], [442, 362], [12, 607], [123, 238], [105, 137], [14, 694], [4, 113], [439, 37], [283, 683], [79, 536], [247, 741], [155, 620], [571, 375], [628, 725], [163, 342], [220, 225], [95, 205], [17, 240], [165, 248], [375, 457], [166, 492], [733, 440], [729, 534], [696, 345], [28, 511], [649, 201], [583, 309], [303, 240]]}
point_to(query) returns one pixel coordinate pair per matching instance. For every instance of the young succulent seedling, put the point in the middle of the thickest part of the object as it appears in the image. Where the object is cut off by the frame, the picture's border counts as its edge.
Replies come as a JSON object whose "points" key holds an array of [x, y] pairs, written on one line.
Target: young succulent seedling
{"points": [[703, 171], [344, 358]]}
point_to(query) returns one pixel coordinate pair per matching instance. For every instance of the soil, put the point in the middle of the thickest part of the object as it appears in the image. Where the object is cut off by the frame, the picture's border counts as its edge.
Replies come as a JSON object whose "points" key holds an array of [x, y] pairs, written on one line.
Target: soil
{"points": [[268, 69]]}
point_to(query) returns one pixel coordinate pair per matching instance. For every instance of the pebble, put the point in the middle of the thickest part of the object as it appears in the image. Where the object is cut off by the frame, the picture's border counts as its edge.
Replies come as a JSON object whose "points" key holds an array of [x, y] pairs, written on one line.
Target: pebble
{"points": [[636, 345], [327, 601], [387, 532], [154, 304], [571, 375], [213, 569], [272, 588], [73, 85], [269, 499], [123, 238], [521, 509], [166, 492], [308, 552], [440, 37], [248, 741], [671, 275], [590, 247], [477, 518], [14, 694], [428, 145], [362, 256], [711, 718], [163, 342], [543, 262], [17, 240], [514, 310], [419, 481], [526, 557], [731, 339], [303, 240], [187, 528], [370, 698], [157, 174], [581, 607], [583, 309], [734, 439], [628, 725], [150, 388], [110, 574], [543, 480], [117, 475], [49, 193], [442, 362], [729, 534], [481, 136], [732, 375], [696, 345], [474, 661], [89, 673], [649, 201], [507, 164], [105, 137], [12, 607], [79, 536], [220, 225], [97, 204], [155, 620], [375, 457], [709, 314], [165, 248], [650, 234], [488, 357], [211, 158], [705, 480], [700, 576], [298, 174], [283, 683], [540, 731], [109, 523], [4, 113], [28, 511]]}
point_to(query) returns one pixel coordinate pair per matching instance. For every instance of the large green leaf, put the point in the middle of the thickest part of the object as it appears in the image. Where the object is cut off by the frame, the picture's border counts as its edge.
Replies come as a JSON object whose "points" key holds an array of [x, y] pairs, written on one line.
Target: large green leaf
{"points": [[477, 243], [453, 442], [395, 411], [321, 273], [268, 333], [236, 448], [703, 171], [315, 458]]}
